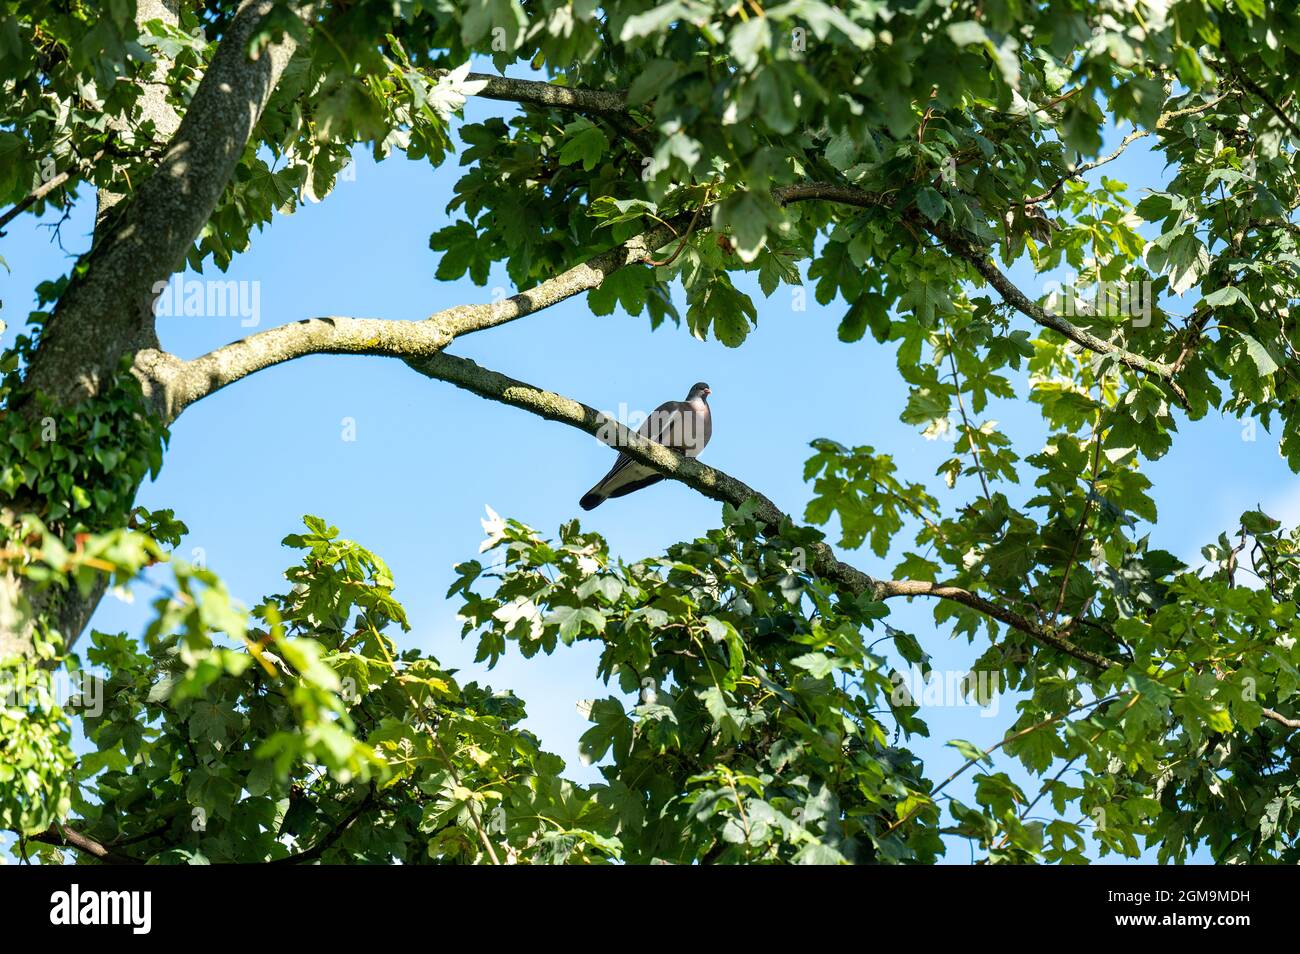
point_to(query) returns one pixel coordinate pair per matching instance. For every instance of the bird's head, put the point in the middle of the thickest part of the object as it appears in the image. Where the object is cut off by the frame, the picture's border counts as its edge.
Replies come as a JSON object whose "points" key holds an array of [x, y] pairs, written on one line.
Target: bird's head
{"points": [[699, 392]]}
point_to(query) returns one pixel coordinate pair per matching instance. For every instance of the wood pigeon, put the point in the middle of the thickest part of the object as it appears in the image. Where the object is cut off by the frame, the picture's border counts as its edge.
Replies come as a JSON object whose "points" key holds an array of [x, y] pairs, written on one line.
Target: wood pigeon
{"points": [[683, 426]]}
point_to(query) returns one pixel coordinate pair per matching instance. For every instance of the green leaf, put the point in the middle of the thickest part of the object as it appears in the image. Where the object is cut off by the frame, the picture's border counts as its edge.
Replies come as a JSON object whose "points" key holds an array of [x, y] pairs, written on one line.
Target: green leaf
{"points": [[1264, 362], [932, 205], [970, 751], [584, 143], [1227, 296]]}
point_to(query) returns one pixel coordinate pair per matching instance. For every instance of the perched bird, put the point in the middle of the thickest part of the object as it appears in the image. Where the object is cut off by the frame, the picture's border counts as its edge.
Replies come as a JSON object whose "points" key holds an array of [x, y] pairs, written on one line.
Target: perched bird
{"points": [[683, 426]]}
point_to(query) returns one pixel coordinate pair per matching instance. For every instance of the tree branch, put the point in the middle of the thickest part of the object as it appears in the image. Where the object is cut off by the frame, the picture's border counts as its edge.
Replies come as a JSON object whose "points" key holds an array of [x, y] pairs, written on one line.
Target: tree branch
{"points": [[722, 487], [608, 105], [1281, 719], [962, 247], [1087, 167], [63, 837], [1235, 72], [332, 836], [1010, 737], [40, 192], [1162, 121], [112, 291], [179, 384], [174, 384], [541, 93]]}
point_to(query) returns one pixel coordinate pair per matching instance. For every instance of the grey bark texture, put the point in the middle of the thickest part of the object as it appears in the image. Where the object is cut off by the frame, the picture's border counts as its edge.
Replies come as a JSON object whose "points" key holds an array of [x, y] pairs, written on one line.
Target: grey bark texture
{"points": [[155, 112], [106, 311], [114, 291]]}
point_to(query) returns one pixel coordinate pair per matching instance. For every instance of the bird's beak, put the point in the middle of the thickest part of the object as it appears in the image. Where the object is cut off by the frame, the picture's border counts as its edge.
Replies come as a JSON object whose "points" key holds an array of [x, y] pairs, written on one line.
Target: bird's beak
{"points": [[708, 391]]}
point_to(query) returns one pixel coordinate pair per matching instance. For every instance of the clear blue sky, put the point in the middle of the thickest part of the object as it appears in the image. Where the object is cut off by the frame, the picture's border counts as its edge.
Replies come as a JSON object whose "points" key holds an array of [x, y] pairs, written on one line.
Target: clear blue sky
{"points": [[244, 464]]}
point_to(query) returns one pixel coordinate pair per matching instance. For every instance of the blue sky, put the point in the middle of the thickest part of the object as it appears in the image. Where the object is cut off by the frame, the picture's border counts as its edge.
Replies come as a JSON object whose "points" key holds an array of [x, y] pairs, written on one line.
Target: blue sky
{"points": [[245, 464]]}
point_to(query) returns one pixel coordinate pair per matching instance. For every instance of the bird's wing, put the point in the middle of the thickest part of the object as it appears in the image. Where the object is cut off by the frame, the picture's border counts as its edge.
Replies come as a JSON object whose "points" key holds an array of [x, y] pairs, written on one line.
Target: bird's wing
{"points": [[674, 424], [630, 479], [663, 426]]}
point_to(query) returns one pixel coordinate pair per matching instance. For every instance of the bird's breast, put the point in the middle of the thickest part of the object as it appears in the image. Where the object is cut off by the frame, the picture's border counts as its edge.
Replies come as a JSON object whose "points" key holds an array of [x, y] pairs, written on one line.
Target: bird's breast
{"points": [[698, 433]]}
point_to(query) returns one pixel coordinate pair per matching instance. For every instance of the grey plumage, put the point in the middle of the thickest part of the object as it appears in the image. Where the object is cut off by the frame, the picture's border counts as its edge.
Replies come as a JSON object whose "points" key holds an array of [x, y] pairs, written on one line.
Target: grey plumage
{"points": [[683, 426]]}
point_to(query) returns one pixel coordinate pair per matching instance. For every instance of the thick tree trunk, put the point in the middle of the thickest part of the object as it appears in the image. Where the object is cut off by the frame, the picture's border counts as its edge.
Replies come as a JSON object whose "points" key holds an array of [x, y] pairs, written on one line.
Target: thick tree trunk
{"points": [[154, 109], [146, 240], [141, 239]]}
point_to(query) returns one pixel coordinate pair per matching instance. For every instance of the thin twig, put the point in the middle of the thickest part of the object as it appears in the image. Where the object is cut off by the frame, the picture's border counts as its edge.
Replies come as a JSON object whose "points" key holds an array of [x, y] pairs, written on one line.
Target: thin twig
{"points": [[993, 748], [1083, 517], [961, 408]]}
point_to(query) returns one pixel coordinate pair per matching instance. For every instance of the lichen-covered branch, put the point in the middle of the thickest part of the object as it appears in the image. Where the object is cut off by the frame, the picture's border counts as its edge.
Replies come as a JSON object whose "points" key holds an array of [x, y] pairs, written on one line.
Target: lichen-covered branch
{"points": [[183, 383], [175, 384], [722, 487], [541, 93], [608, 105]]}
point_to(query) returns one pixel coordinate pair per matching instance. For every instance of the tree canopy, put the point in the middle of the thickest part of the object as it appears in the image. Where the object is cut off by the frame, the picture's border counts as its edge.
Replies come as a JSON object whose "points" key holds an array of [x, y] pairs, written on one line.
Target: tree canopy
{"points": [[895, 158]]}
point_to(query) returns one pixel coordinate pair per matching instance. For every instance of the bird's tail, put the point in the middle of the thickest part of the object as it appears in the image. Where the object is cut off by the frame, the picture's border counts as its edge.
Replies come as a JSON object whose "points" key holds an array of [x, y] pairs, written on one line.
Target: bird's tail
{"points": [[592, 499]]}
